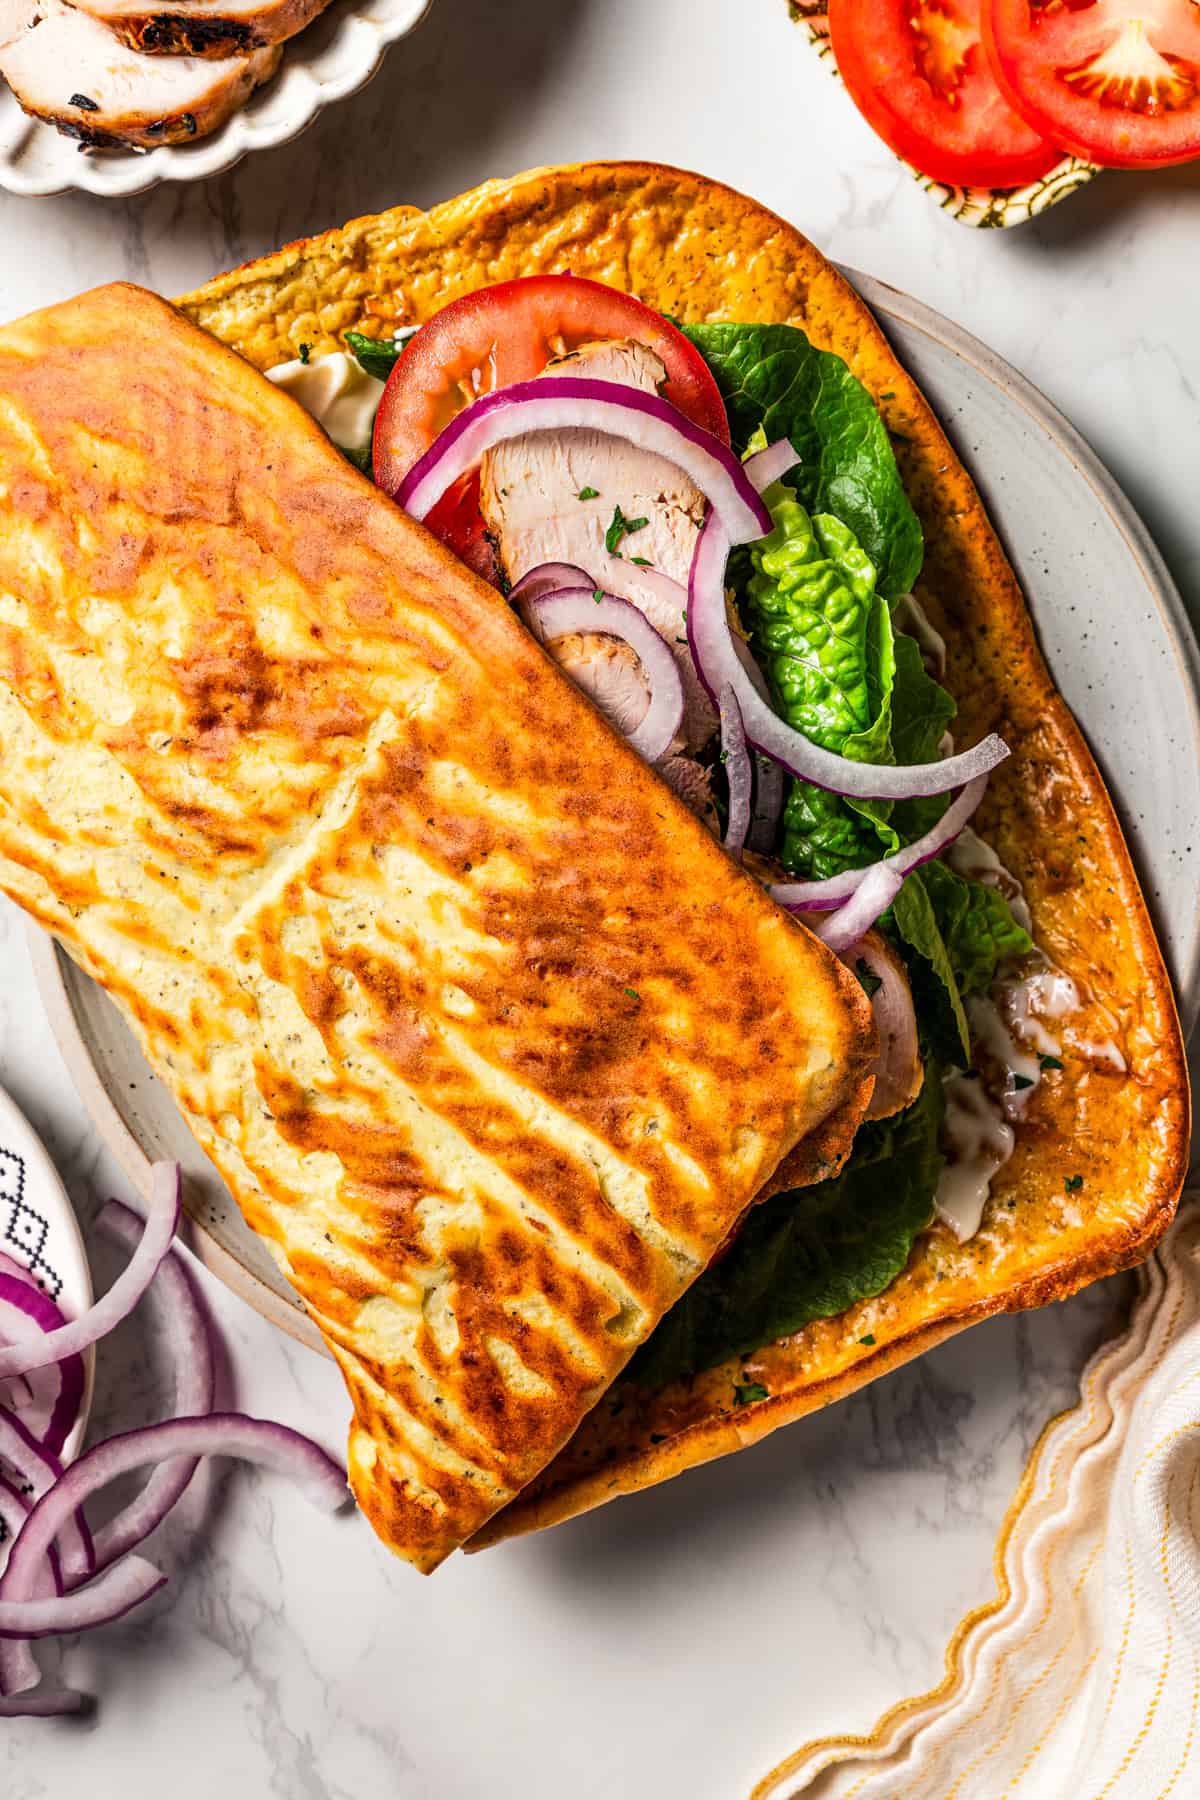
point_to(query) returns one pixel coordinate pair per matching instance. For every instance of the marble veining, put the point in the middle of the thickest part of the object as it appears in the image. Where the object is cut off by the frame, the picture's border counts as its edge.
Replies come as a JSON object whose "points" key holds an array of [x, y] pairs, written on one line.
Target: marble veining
{"points": [[681, 1642]]}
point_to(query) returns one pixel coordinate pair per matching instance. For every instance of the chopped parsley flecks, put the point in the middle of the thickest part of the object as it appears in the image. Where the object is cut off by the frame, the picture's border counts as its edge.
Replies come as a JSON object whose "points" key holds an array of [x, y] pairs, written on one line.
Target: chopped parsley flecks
{"points": [[620, 529], [1021, 1081], [589, 493], [1073, 1183], [643, 562], [632, 992], [868, 1340], [305, 352], [748, 1391], [1050, 1062], [597, 595]]}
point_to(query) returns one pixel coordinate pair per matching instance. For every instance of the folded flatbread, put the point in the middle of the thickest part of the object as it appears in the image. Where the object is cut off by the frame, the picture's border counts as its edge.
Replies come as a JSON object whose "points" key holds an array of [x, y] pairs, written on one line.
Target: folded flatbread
{"points": [[491, 1041], [697, 251]]}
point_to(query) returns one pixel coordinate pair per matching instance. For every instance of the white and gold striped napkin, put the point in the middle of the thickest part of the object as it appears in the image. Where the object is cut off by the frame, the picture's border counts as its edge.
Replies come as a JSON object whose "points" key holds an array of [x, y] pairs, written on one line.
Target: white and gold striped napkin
{"points": [[1081, 1679]]}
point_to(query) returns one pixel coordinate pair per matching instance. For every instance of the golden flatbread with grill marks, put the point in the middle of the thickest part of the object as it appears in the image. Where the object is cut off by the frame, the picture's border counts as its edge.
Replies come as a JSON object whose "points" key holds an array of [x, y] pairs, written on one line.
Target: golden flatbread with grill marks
{"points": [[491, 1041]]}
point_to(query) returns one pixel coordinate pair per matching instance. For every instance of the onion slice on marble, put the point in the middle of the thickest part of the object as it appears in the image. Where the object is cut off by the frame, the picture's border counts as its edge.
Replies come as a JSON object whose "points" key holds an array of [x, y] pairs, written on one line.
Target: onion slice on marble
{"points": [[181, 1325]]}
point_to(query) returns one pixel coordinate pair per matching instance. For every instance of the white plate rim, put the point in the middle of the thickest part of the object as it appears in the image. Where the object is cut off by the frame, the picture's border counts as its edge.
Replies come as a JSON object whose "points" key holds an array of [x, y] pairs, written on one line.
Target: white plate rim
{"points": [[118, 175], [887, 303]]}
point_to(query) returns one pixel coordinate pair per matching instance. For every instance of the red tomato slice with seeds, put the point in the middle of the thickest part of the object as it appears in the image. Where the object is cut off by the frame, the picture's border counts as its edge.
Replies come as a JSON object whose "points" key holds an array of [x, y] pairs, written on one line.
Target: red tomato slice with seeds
{"points": [[1116, 83], [918, 72], [508, 333]]}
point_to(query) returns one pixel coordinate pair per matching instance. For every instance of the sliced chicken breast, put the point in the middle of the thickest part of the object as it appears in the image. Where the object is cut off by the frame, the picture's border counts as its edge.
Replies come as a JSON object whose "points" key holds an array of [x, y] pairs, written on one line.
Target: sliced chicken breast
{"points": [[531, 504], [208, 28], [66, 68]]}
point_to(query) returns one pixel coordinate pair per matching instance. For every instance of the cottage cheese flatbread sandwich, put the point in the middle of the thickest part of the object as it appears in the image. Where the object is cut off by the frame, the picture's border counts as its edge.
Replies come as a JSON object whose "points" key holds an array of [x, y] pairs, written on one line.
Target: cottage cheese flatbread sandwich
{"points": [[561, 780]]}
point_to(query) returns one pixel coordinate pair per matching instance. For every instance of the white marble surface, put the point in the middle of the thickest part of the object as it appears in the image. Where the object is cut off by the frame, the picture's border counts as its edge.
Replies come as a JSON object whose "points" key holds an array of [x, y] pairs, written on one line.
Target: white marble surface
{"points": [[682, 1642]]}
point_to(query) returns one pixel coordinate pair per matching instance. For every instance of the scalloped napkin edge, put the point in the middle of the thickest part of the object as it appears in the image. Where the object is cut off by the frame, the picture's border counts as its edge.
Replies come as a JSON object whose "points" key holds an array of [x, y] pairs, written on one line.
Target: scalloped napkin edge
{"points": [[1082, 1675], [985, 207]]}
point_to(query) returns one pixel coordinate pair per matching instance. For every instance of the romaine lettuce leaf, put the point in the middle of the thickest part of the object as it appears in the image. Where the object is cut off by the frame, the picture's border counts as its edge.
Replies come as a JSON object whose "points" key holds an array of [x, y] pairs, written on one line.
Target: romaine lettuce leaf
{"points": [[771, 377], [378, 356], [824, 639], [810, 1253]]}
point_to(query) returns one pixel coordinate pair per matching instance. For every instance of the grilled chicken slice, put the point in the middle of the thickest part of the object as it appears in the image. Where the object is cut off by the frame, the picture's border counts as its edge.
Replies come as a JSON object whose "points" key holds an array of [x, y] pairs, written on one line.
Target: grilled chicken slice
{"points": [[208, 28], [66, 68], [530, 500]]}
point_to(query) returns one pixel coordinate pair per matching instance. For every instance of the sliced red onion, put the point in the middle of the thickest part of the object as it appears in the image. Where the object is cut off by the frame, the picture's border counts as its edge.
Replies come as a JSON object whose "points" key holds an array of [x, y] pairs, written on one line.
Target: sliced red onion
{"points": [[272, 1446], [179, 1322], [71, 1562], [47, 1398], [768, 776], [38, 1469], [839, 890], [45, 1701], [896, 1024], [101, 1602], [738, 772], [768, 466], [578, 610], [14, 1510], [843, 928], [121, 1298], [550, 578], [718, 665], [569, 403]]}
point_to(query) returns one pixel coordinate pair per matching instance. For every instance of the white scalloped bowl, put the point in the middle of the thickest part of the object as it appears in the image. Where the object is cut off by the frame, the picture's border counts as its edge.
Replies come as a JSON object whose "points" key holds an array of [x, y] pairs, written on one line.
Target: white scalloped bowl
{"points": [[337, 54]]}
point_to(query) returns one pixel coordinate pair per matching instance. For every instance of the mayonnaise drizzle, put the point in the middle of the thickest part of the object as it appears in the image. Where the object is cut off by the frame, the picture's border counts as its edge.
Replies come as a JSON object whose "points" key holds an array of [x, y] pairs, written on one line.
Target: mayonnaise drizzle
{"points": [[981, 1141], [970, 856]]}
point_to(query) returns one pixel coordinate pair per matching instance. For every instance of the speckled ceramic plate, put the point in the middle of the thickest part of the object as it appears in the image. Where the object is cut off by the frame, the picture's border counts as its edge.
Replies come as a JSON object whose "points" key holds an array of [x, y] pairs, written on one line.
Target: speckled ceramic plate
{"points": [[991, 208], [1112, 627], [337, 54], [39, 1231]]}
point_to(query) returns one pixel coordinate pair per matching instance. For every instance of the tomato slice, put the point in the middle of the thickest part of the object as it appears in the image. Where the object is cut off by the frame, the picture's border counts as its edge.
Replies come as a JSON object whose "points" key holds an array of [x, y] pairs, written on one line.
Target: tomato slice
{"points": [[508, 333], [1116, 83], [918, 72]]}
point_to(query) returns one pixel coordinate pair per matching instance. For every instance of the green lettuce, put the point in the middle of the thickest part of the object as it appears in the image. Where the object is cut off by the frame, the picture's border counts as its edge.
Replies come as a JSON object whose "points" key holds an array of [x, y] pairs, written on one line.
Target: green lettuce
{"points": [[772, 378], [377, 356], [824, 639], [809, 1253]]}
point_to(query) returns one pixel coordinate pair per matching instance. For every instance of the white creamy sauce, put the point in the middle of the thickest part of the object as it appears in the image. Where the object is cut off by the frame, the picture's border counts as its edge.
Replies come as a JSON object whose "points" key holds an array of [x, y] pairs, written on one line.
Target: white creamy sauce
{"points": [[339, 394], [1021, 1070], [979, 1140], [969, 855], [910, 616]]}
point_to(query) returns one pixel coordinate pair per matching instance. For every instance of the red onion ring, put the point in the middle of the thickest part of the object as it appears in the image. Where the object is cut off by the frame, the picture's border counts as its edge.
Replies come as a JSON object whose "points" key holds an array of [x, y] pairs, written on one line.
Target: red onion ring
{"points": [[768, 466], [768, 776], [14, 1510], [46, 1701], [568, 403], [860, 895], [896, 1023], [737, 770], [39, 1469], [549, 578], [101, 1602], [719, 666], [120, 1300], [127, 1583], [179, 1321], [55, 1390], [578, 610]]}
